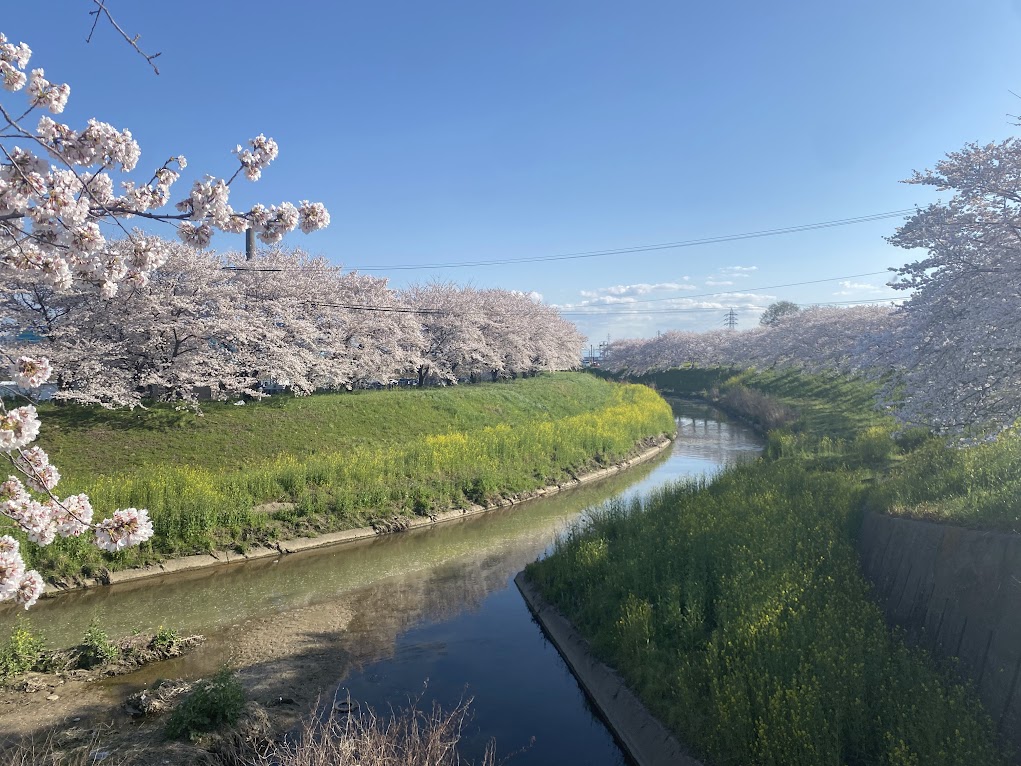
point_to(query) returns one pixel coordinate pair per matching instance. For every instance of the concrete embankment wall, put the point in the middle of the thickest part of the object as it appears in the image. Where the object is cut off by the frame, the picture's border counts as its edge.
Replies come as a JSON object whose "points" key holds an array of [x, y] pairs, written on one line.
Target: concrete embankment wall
{"points": [[957, 592], [639, 733]]}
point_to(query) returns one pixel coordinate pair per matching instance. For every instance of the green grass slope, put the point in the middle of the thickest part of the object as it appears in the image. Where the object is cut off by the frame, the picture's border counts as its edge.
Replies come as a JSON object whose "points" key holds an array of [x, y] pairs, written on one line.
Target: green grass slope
{"points": [[237, 476]]}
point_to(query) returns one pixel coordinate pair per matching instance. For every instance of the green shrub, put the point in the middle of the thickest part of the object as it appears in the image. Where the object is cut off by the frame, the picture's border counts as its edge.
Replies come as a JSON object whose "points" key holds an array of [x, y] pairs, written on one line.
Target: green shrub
{"points": [[780, 444], [911, 439], [873, 446], [164, 639], [96, 648], [21, 653], [764, 410], [215, 702]]}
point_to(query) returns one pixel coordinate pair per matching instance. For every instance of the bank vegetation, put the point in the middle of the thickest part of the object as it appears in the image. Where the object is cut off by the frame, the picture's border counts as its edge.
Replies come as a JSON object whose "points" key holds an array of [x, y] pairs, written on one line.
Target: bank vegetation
{"points": [[735, 607]]}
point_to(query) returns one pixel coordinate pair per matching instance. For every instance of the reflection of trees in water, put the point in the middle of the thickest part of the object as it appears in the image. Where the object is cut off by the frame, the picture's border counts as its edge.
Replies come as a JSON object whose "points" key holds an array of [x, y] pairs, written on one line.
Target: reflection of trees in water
{"points": [[387, 609], [314, 655]]}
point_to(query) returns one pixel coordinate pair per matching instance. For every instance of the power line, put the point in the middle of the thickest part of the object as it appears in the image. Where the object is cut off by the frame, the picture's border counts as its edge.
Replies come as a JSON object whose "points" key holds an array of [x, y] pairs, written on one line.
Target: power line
{"points": [[642, 312], [698, 295], [646, 248], [612, 251], [602, 310], [383, 309], [760, 289]]}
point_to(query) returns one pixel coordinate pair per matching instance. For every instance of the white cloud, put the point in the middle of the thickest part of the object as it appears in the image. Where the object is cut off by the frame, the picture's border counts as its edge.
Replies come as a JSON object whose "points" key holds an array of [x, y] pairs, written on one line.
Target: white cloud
{"points": [[738, 271], [718, 283], [624, 311], [861, 288], [641, 288], [612, 306]]}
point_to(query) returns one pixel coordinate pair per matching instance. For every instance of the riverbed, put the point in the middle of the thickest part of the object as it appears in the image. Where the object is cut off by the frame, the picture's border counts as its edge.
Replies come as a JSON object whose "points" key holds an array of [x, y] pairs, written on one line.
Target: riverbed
{"points": [[430, 614]]}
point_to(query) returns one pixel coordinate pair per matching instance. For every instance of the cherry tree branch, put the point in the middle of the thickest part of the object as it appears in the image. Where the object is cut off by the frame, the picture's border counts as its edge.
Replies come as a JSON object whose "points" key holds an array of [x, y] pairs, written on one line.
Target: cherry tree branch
{"points": [[101, 10]]}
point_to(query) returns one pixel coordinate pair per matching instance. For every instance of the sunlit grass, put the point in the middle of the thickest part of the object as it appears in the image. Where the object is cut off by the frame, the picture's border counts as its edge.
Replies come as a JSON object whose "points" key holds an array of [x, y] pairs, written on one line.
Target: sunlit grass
{"points": [[530, 438]]}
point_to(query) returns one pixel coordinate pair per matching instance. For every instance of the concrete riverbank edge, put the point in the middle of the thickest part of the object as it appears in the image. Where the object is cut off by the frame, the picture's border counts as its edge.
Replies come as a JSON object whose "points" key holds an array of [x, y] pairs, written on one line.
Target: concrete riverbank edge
{"points": [[642, 736], [284, 547]]}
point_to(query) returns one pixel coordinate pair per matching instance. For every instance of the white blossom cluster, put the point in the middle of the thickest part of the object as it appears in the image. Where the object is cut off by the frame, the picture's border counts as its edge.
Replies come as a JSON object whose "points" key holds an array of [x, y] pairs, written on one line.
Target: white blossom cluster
{"points": [[51, 214], [959, 358], [31, 504], [58, 201], [15, 583], [31, 373], [262, 152], [127, 527]]}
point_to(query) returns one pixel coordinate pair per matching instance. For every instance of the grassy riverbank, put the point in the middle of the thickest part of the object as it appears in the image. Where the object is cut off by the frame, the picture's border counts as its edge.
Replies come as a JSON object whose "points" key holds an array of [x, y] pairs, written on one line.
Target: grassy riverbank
{"points": [[836, 419], [335, 461], [736, 609]]}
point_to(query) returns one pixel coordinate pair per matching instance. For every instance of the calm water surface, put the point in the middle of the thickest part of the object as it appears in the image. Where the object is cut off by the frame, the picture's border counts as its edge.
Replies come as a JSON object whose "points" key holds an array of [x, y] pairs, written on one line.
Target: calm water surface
{"points": [[431, 614]]}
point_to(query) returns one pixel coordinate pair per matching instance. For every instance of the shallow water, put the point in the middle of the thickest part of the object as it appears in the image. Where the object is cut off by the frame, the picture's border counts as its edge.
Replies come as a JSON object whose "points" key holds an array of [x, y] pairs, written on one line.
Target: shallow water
{"points": [[431, 613]]}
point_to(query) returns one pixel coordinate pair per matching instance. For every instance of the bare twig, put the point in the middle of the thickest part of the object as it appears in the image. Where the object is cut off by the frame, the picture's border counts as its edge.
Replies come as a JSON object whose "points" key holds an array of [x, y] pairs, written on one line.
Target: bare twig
{"points": [[101, 10]]}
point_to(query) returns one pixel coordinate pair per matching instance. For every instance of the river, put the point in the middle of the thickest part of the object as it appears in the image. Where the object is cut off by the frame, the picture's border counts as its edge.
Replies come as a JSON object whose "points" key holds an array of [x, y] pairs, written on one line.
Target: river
{"points": [[430, 614]]}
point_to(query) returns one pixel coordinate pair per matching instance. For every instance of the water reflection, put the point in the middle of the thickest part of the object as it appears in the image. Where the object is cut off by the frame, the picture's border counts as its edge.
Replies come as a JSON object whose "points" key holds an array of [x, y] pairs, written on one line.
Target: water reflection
{"points": [[205, 601]]}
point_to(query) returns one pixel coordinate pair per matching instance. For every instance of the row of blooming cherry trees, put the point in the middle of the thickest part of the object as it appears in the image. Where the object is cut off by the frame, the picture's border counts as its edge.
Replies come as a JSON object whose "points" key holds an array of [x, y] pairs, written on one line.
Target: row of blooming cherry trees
{"points": [[850, 340], [200, 321], [950, 356]]}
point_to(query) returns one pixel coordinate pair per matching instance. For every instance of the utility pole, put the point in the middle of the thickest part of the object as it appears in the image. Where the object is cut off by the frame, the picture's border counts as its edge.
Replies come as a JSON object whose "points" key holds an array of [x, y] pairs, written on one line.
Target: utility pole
{"points": [[731, 320], [249, 244]]}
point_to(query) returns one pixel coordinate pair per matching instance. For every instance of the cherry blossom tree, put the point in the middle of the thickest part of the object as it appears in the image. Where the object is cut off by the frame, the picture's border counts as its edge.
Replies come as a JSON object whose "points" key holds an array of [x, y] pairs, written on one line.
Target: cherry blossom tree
{"points": [[179, 330], [841, 339], [58, 209], [487, 334], [960, 351], [451, 319], [336, 328]]}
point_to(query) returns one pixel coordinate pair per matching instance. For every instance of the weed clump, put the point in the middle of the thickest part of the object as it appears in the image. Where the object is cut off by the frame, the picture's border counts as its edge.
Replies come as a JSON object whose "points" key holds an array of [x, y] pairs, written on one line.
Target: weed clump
{"points": [[96, 648], [409, 737], [213, 703], [23, 651]]}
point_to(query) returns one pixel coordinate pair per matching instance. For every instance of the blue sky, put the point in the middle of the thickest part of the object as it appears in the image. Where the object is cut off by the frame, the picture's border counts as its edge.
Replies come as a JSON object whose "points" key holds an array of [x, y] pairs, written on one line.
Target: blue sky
{"points": [[449, 132]]}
